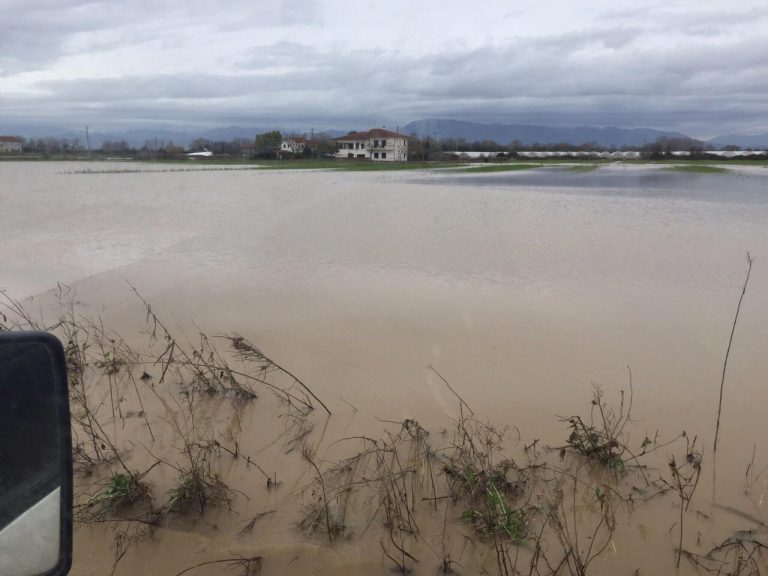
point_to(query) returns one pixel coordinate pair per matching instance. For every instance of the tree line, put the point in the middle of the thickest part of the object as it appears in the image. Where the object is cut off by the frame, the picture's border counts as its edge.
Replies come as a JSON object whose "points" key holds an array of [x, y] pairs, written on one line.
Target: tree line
{"points": [[435, 149], [267, 146]]}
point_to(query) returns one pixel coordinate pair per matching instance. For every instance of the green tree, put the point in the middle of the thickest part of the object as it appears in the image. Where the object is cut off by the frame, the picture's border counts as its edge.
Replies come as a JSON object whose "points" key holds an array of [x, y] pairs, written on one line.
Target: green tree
{"points": [[267, 145], [322, 145]]}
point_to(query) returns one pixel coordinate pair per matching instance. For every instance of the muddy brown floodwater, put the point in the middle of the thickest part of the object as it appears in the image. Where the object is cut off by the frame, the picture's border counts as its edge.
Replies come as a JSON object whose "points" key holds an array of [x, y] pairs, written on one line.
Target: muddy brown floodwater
{"points": [[522, 290]]}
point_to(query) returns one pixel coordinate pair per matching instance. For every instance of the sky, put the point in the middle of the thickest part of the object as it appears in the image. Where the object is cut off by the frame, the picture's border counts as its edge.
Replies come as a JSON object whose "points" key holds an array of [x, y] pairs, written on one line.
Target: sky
{"points": [[700, 67]]}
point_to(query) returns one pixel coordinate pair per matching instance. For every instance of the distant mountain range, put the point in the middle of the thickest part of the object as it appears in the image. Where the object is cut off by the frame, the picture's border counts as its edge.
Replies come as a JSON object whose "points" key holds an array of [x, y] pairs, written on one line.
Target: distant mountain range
{"points": [[439, 128], [757, 142], [528, 135], [145, 136]]}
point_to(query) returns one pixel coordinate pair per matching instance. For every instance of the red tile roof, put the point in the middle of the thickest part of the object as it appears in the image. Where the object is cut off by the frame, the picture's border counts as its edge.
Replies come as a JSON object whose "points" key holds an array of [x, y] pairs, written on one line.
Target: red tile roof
{"points": [[373, 133], [10, 139]]}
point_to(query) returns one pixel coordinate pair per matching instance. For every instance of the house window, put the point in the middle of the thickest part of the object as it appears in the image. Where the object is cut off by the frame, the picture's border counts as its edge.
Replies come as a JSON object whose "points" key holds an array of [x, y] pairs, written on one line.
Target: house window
{"points": [[351, 145], [383, 143], [375, 143], [350, 155], [383, 154], [361, 155], [375, 154]]}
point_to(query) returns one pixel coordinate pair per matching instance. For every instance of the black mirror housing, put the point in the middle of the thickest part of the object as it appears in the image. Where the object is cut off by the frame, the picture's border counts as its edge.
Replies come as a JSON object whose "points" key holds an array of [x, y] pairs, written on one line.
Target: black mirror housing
{"points": [[35, 456]]}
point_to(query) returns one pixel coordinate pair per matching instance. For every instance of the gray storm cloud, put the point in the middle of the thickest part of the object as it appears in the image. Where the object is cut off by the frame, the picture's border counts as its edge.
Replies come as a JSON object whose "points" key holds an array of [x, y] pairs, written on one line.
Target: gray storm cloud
{"points": [[696, 67]]}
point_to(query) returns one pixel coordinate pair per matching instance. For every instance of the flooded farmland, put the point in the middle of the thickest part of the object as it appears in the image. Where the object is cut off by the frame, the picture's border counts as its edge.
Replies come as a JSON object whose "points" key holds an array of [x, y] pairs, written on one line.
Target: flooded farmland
{"points": [[427, 311]]}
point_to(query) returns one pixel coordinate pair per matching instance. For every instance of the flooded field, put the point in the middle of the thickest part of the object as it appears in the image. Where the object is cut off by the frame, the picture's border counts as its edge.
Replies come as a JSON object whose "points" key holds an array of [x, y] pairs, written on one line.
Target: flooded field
{"points": [[522, 290]]}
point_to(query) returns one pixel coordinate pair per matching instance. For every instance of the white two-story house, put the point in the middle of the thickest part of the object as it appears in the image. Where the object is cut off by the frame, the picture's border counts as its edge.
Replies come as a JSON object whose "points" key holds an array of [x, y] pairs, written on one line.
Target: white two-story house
{"points": [[293, 144], [10, 144], [377, 145]]}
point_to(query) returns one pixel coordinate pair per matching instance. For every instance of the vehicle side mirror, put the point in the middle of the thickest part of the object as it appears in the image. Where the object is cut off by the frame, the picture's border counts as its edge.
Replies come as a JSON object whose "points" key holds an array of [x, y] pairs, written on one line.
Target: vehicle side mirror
{"points": [[35, 457]]}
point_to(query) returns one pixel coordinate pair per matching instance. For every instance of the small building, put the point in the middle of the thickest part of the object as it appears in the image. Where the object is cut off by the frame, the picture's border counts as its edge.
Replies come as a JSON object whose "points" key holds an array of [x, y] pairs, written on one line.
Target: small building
{"points": [[9, 144], [377, 145], [470, 155], [626, 155], [293, 145], [735, 153]]}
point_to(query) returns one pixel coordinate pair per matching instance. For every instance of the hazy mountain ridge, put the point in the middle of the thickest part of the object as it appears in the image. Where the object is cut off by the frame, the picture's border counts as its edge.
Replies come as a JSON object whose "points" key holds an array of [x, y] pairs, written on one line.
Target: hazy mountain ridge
{"points": [[756, 141], [151, 137], [531, 134], [503, 134]]}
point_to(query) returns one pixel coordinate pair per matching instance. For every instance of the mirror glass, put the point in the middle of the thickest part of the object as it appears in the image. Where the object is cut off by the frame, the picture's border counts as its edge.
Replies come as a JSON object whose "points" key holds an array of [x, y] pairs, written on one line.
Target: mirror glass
{"points": [[35, 457]]}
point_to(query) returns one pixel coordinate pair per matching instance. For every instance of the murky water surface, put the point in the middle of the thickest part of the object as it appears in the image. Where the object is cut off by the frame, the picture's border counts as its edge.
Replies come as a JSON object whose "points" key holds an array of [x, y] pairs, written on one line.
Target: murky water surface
{"points": [[522, 289]]}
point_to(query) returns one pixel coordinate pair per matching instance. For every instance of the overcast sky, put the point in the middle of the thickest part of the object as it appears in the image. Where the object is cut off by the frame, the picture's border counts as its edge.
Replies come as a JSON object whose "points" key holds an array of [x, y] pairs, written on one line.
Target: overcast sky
{"points": [[698, 66]]}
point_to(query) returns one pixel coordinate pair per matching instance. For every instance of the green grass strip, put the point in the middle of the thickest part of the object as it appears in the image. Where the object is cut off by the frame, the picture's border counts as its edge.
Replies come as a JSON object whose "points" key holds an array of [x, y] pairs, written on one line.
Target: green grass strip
{"points": [[582, 168], [698, 169], [499, 168]]}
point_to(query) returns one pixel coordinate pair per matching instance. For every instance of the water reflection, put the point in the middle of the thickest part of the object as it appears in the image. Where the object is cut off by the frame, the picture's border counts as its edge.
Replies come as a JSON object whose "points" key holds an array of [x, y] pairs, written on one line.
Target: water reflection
{"points": [[640, 182]]}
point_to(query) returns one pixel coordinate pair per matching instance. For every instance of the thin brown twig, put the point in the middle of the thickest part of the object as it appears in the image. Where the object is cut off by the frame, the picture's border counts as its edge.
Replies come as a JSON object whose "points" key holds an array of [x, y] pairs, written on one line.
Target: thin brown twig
{"points": [[750, 260]]}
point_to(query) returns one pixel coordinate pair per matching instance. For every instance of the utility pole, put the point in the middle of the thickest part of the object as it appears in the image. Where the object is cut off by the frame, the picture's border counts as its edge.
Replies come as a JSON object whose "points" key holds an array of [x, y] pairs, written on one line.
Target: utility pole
{"points": [[87, 141]]}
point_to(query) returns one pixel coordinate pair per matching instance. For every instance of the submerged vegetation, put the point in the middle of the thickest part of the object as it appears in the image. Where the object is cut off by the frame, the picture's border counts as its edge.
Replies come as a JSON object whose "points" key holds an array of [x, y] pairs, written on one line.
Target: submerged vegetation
{"points": [[249, 165], [576, 166], [698, 169], [505, 167], [581, 168], [471, 497], [121, 490]]}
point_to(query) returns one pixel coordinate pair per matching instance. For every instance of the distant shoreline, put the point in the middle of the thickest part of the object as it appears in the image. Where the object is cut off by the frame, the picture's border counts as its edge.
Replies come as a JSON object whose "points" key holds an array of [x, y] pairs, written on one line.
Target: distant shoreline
{"points": [[580, 164]]}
